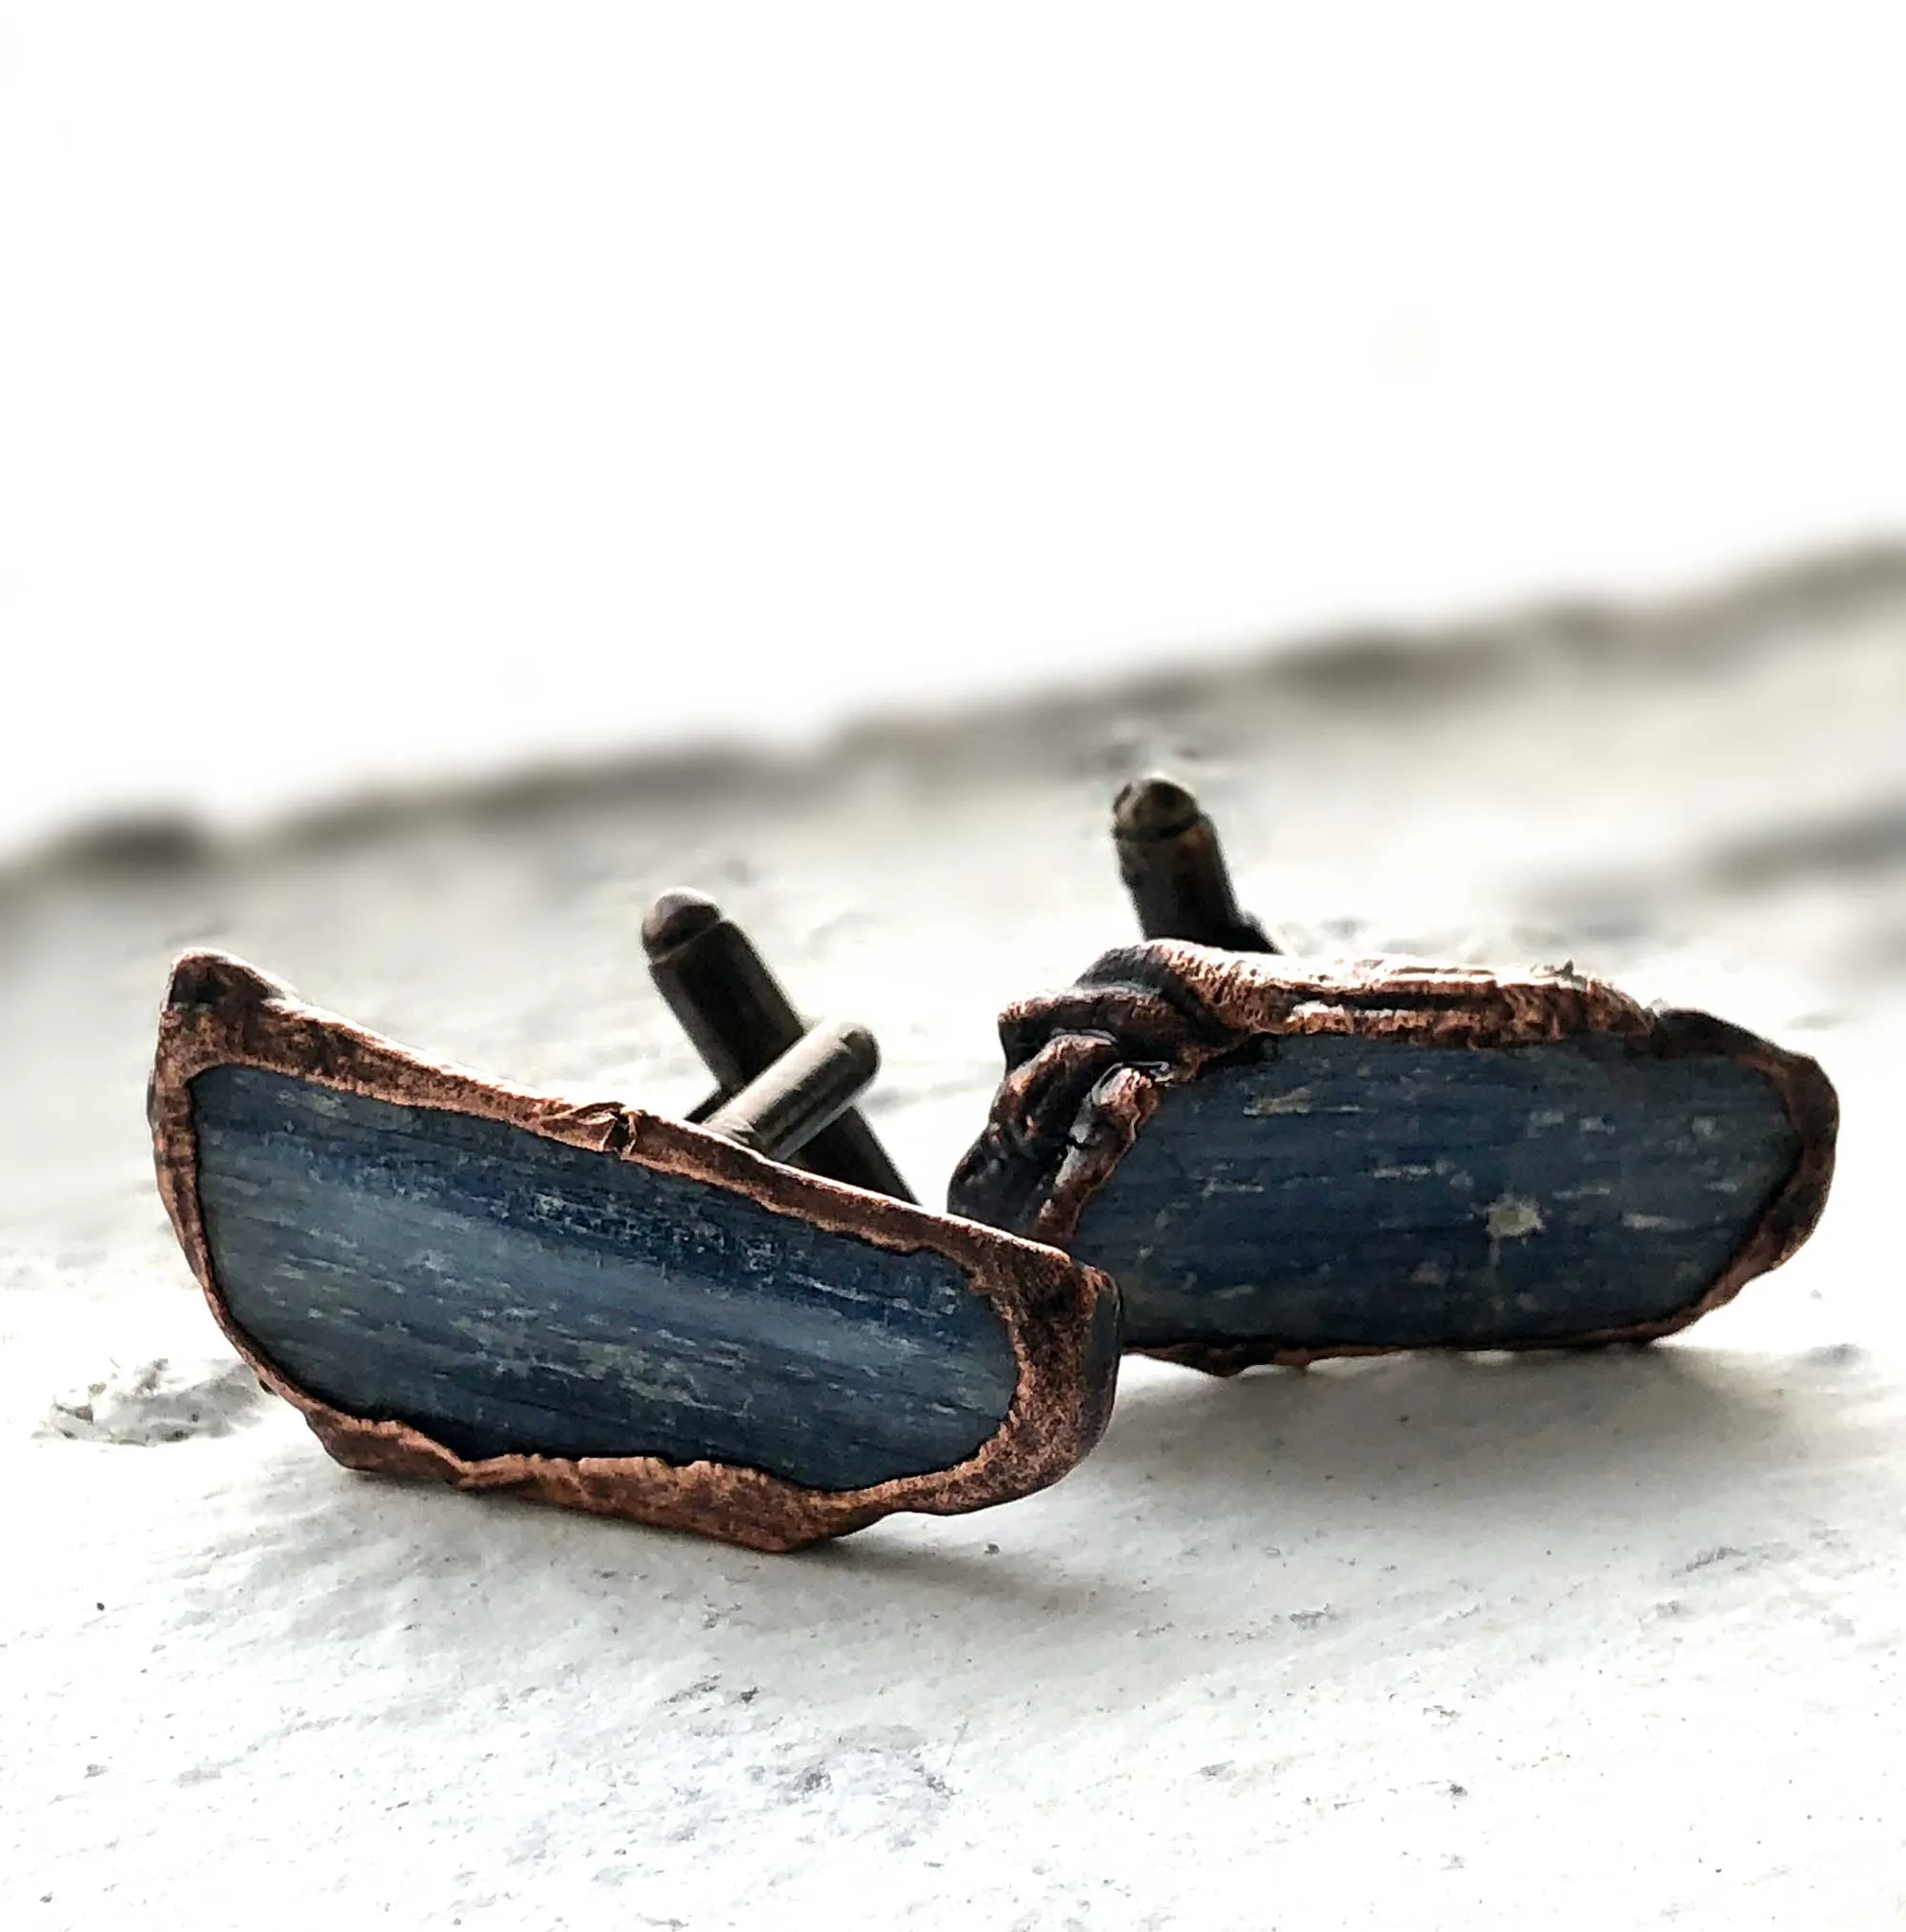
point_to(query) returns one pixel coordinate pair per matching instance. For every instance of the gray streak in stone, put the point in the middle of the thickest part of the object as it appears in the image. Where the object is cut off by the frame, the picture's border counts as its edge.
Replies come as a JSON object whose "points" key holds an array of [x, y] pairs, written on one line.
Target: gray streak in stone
{"points": [[504, 1292]]}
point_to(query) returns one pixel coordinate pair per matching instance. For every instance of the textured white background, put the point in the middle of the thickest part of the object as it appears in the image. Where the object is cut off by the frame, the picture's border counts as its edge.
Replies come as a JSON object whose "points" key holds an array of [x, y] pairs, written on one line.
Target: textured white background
{"points": [[1606, 1639]]}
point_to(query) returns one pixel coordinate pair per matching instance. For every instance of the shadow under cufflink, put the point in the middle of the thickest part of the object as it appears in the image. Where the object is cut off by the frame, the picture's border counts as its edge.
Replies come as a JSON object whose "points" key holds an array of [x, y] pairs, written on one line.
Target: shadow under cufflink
{"points": [[595, 1306], [1283, 1161]]}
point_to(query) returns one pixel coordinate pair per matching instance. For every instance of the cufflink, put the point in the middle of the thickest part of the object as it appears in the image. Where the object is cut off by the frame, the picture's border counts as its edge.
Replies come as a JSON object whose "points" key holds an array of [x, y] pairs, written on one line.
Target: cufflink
{"points": [[1283, 1160], [588, 1303]]}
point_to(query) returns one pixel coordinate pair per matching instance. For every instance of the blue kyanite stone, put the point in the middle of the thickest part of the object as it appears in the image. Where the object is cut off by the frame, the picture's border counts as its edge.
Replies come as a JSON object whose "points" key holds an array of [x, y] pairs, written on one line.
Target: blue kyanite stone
{"points": [[507, 1293], [1350, 1191]]}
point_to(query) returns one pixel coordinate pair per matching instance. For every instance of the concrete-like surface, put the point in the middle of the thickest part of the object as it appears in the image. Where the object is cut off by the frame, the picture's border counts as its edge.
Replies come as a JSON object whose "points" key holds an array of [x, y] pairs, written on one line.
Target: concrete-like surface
{"points": [[1610, 1640]]}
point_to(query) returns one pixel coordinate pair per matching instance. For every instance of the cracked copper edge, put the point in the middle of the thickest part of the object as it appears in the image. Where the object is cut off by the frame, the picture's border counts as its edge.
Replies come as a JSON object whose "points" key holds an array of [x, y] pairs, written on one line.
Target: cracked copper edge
{"points": [[1086, 1068], [221, 1011]]}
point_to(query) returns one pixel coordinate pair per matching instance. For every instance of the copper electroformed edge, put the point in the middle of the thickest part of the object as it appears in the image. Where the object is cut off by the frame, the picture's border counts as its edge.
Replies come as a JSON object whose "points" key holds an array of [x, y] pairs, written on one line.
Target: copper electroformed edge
{"points": [[220, 1011], [1087, 1067]]}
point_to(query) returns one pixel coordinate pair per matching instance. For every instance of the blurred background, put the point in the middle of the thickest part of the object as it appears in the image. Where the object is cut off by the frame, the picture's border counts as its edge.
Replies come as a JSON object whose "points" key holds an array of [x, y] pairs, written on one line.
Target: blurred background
{"points": [[392, 391], [462, 469], [467, 468]]}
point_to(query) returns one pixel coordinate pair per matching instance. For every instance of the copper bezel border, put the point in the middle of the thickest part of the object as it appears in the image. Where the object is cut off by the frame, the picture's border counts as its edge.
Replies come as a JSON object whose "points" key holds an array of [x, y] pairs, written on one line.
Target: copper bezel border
{"points": [[220, 1011], [1086, 1068]]}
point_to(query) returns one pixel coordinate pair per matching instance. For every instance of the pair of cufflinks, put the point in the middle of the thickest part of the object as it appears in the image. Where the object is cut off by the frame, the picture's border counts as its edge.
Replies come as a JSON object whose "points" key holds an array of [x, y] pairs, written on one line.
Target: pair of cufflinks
{"points": [[741, 1324]]}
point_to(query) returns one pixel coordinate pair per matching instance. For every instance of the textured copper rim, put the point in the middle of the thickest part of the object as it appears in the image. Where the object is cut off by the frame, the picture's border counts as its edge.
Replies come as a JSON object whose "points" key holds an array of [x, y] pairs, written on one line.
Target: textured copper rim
{"points": [[220, 1011], [1086, 1068]]}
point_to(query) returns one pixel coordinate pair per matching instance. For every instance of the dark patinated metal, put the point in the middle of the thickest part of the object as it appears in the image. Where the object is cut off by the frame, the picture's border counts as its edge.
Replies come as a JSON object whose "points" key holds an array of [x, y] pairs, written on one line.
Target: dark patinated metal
{"points": [[1174, 868], [813, 1082], [741, 1021]]}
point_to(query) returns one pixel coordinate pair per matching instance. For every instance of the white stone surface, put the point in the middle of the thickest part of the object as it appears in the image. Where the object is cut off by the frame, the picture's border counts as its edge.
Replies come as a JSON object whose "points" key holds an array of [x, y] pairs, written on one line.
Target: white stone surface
{"points": [[1606, 1639]]}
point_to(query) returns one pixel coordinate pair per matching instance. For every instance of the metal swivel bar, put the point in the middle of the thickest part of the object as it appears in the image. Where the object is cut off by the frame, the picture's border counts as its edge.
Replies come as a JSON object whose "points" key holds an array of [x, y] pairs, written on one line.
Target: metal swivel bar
{"points": [[815, 1081], [742, 1022]]}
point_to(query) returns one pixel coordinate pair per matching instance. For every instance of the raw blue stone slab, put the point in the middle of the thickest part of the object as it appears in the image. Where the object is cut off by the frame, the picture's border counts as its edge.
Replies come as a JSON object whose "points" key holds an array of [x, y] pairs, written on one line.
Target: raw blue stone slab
{"points": [[1352, 1191], [507, 1293]]}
